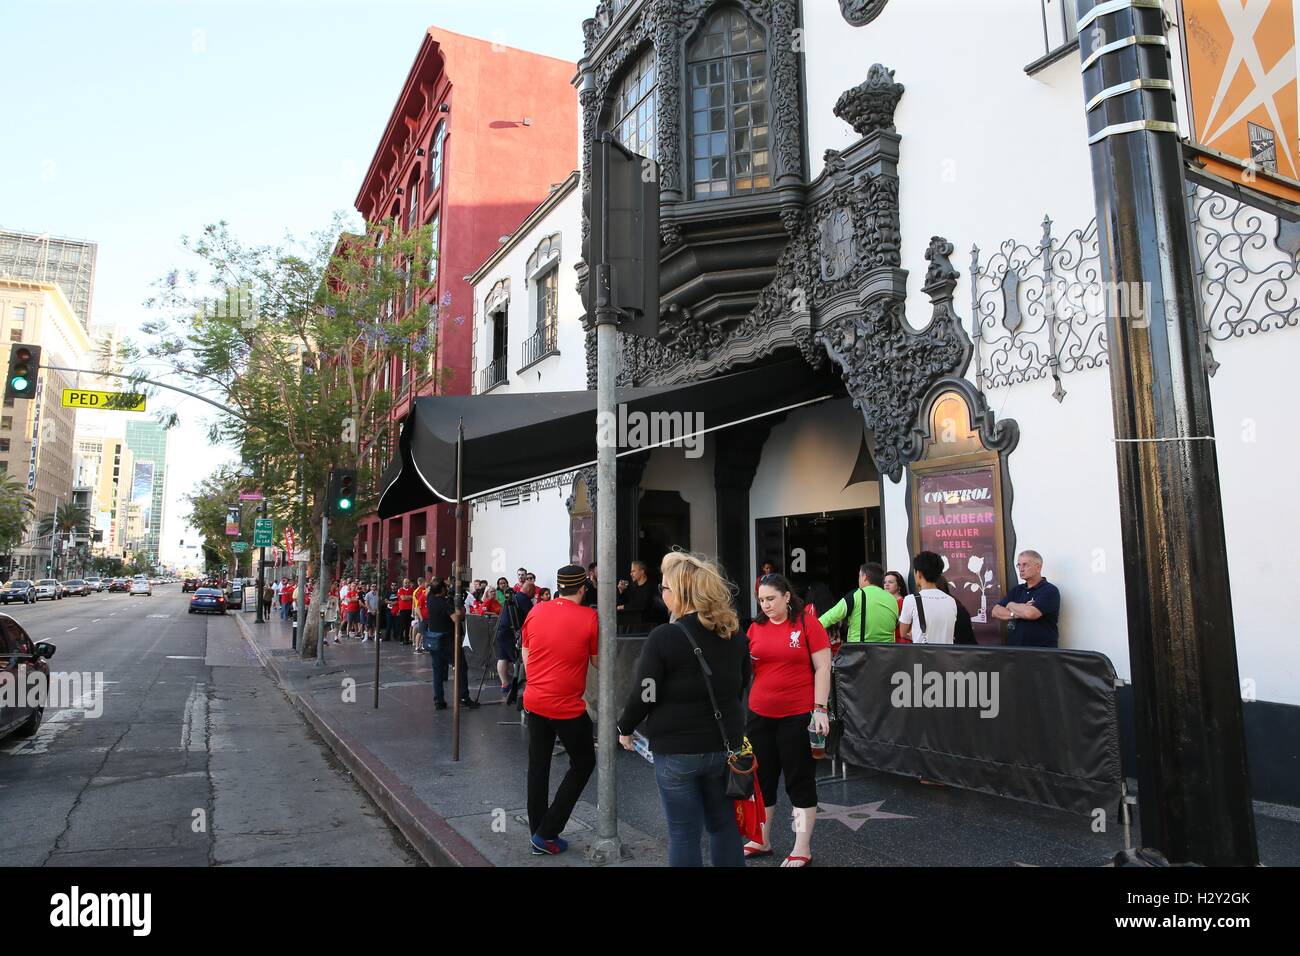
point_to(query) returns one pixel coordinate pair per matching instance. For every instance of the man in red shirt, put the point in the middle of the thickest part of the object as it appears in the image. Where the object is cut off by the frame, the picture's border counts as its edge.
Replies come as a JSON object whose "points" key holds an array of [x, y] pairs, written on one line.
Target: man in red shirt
{"points": [[404, 602], [559, 638], [286, 598]]}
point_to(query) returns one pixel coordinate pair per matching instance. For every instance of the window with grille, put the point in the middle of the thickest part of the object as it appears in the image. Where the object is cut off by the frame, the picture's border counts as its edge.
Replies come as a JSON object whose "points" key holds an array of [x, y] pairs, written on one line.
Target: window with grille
{"points": [[729, 119], [4, 444], [412, 201], [7, 422], [15, 335], [435, 157], [634, 111]]}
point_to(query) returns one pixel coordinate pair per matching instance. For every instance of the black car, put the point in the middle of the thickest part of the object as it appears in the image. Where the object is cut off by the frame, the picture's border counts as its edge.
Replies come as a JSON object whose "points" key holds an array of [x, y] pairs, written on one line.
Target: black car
{"points": [[24, 591], [121, 585], [189, 584], [20, 657], [208, 601]]}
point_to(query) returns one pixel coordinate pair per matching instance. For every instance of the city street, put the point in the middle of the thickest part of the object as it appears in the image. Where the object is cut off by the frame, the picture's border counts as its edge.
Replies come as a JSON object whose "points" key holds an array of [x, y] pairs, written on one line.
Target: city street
{"points": [[197, 759]]}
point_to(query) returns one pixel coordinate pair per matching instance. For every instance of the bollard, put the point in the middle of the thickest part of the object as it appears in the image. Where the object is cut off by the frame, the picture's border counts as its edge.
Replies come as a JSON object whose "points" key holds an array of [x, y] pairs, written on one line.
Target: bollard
{"points": [[294, 645]]}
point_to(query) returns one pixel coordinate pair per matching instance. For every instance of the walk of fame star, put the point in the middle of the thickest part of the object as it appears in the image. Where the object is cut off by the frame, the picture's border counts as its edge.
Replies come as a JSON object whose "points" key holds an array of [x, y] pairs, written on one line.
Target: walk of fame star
{"points": [[854, 817]]}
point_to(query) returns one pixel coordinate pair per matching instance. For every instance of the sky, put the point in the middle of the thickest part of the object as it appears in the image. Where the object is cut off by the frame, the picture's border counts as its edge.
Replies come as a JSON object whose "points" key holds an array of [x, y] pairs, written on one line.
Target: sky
{"points": [[133, 123]]}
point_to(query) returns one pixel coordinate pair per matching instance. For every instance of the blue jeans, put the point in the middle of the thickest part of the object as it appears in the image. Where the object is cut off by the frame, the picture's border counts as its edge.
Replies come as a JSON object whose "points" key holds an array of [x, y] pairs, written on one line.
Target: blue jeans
{"points": [[693, 791]]}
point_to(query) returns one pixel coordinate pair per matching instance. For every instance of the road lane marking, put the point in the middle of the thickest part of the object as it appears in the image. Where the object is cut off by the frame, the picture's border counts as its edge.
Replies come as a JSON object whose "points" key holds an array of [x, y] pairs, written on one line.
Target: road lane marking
{"points": [[56, 723], [71, 629], [96, 620], [194, 727]]}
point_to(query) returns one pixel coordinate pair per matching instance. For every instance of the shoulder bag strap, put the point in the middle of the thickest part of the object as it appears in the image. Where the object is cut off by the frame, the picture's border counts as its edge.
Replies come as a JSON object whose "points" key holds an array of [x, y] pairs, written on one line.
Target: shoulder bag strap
{"points": [[920, 612], [708, 683], [862, 616]]}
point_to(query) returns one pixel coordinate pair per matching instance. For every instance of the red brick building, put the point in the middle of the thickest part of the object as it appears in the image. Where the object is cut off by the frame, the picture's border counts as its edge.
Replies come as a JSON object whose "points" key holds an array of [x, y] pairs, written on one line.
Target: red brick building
{"points": [[478, 136]]}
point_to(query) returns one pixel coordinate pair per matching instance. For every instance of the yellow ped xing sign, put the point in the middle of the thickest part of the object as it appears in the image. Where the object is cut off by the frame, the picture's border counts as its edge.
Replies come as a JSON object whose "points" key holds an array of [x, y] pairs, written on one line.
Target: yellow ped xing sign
{"points": [[109, 401]]}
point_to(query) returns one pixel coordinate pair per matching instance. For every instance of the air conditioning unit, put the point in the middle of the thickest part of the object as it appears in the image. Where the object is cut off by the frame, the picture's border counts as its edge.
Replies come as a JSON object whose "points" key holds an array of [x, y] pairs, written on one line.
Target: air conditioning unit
{"points": [[419, 544], [397, 546]]}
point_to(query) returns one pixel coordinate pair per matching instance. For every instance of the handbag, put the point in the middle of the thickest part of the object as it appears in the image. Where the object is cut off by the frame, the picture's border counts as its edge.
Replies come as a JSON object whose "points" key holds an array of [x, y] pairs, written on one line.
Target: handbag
{"points": [[742, 765]]}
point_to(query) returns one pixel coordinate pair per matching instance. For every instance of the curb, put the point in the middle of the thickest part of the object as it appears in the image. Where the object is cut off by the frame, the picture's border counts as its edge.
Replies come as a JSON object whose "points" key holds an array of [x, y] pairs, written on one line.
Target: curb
{"points": [[431, 835]]}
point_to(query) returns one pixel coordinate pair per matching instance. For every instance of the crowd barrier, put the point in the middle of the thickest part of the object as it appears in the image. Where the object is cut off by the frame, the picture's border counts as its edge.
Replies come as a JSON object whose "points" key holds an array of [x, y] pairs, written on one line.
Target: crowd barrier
{"points": [[1034, 724]]}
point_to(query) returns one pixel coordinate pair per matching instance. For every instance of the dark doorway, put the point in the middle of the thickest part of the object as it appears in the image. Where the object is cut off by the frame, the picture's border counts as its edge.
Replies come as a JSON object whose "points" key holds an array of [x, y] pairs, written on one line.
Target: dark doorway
{"points": [[827, 547], [665, 520]]}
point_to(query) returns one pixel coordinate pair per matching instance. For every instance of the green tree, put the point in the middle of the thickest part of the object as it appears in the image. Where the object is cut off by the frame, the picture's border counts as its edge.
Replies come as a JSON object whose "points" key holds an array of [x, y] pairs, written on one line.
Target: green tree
{"points": [[299, 342], [68, 519], [16, 507]]}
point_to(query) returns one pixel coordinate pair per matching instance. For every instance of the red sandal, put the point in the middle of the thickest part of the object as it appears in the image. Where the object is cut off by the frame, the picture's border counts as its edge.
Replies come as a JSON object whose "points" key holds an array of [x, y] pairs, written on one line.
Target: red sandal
{"points": [[804, 861], [756, 851]]}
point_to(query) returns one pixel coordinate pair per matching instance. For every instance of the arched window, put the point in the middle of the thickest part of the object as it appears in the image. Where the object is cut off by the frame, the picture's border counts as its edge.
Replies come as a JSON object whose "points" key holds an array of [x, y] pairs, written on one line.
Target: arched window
{"points": [[727, 71], [435, 157], [633, 114], [412, 203]]}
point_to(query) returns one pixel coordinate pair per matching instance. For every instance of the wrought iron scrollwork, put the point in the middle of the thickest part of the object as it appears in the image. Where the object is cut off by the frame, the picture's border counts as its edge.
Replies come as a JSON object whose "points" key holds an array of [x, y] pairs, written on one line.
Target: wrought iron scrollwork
{"points": [[1038, 311], [1249, 277]]}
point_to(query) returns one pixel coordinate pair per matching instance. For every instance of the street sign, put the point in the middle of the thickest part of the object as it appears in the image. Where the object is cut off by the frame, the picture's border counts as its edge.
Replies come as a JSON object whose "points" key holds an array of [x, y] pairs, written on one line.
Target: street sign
{"points": [[301, 556], [263, 532], [239, 547], [111, 401], [250, 496]]}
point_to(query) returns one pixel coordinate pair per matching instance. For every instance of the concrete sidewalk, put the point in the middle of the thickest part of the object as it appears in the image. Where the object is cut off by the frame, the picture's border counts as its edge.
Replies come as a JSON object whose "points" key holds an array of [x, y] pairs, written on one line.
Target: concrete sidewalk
{"points": [[471, 812]]}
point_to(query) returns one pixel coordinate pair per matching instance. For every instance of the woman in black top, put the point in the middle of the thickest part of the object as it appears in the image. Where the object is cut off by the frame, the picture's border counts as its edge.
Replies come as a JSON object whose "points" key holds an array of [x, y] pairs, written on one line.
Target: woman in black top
{"points": [[671, 696]]}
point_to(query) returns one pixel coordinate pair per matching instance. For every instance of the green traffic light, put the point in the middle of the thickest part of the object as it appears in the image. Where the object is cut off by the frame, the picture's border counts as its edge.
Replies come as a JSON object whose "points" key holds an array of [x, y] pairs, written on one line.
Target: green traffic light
{"points": [[19, 383], [345, 504]]}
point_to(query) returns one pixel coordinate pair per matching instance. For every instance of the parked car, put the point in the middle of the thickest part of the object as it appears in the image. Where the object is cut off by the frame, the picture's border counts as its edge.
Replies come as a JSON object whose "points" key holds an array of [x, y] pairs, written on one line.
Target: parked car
{"points": [[20, 657], [141, 585], [207, 601], [49, 588], [76, 586], [119, 584], [189, 584], [18, 590], [95, 583]]}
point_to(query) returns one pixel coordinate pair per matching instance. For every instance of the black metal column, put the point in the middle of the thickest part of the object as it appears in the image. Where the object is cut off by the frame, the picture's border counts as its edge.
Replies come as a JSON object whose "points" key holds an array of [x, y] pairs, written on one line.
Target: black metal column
{"points": [[1194, 794]]}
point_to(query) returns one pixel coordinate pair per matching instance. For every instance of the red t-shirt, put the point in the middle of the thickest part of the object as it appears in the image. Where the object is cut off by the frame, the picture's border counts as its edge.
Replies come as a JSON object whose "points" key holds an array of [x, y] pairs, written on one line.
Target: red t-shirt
{"points": [[783, 673], [404, 599], [560, 637], [286, 594]]}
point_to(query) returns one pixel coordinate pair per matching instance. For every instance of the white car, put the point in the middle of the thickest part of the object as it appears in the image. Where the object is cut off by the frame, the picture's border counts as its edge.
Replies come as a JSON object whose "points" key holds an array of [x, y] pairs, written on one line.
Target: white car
{"points": [[48, 588], [140, 586], [95, 583]]}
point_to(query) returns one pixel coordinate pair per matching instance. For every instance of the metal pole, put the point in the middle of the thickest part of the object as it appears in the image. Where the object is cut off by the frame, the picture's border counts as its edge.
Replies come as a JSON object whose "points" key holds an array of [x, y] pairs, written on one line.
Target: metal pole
{"points": [[261, 582], [607, 846], [456, 605], [1194, 791], [322, 588], [300, 617], [382, 590], [54, 534]]}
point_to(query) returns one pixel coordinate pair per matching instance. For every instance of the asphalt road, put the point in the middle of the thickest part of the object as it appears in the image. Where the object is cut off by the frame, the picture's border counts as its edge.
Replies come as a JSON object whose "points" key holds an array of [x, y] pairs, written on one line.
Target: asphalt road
{"points": [[187, 755]]}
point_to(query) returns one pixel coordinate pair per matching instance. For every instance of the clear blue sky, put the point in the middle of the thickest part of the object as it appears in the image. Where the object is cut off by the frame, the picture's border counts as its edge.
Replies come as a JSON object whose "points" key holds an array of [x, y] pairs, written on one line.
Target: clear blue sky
{"points": [[133, 122]]}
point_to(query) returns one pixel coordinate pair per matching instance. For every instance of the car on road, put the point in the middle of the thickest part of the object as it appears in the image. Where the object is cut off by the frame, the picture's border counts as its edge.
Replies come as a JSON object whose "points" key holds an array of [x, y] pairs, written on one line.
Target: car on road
{"points": [[20, 658], [189, 584], [119, 584], [49, 588], [18, 590], [208, 601], [76, 586], [95, 583], [141, 585]]}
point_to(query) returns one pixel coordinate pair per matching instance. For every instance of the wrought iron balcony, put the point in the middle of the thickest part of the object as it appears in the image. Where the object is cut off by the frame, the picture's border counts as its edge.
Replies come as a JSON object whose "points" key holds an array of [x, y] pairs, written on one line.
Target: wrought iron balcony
{"points": [[539, 345], [493, 375]]}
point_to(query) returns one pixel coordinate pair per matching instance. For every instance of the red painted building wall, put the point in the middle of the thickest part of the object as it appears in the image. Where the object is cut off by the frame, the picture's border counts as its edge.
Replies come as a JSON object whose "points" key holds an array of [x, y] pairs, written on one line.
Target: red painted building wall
{"points": [[496, 168]]}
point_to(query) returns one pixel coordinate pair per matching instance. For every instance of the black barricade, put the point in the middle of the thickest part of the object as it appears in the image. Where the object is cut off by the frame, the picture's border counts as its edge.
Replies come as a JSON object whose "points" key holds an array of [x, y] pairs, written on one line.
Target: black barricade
{"points": [[1039, 725], [481, 630]]}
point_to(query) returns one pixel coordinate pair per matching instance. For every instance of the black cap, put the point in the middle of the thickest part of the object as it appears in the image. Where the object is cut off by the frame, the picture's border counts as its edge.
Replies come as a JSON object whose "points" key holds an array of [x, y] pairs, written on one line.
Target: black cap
{"points": [[570, 576]]}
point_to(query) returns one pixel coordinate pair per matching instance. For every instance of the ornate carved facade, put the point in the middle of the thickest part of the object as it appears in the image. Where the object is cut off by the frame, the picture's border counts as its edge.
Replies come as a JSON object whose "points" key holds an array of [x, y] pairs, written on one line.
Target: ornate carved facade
{"points": [[827, 252]]}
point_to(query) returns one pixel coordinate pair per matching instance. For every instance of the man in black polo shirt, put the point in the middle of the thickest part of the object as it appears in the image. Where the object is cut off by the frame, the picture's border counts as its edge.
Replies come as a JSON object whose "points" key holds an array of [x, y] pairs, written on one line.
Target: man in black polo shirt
{"points": [[1031, 609]]}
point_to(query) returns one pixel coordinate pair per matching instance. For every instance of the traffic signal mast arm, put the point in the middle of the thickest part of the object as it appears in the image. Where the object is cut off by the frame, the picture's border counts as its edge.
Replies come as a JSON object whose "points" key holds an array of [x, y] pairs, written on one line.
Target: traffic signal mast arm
{"points": [[148, 381]]}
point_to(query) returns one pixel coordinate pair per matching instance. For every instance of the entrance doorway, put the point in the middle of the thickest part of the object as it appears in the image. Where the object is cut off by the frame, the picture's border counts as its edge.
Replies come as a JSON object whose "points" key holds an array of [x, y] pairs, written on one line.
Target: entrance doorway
{"points": [[822, 548], [665, 520]]}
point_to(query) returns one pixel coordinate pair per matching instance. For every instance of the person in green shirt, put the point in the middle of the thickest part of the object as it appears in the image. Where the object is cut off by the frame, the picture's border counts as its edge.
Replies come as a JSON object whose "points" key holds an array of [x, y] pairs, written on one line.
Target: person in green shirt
{"points": [[871, 609]]}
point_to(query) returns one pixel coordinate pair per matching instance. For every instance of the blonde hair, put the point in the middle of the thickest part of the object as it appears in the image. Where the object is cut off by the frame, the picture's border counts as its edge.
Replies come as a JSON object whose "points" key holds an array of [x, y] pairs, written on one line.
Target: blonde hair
{"points": [[700, 586]]}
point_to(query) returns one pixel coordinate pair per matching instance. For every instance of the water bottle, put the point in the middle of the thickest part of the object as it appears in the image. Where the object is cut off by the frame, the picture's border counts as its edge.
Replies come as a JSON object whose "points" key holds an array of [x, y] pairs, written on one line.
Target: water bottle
{"points": [[816, 741]]}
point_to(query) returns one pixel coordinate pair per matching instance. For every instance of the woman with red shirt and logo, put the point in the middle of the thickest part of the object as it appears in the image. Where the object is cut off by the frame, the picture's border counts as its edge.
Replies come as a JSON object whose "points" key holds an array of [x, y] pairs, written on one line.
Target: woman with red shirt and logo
{"points": [[792, 676], [404, 602]]}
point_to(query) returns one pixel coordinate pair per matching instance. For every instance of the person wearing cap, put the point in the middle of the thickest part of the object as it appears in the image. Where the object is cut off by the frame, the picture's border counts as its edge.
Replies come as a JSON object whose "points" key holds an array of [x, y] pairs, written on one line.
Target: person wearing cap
{"points": [[560, 637]]}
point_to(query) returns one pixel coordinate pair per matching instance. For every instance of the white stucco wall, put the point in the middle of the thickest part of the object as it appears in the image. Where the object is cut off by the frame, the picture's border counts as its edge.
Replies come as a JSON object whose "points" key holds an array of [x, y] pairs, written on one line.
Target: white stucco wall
{"points": [[670, 470], [532, 534]]}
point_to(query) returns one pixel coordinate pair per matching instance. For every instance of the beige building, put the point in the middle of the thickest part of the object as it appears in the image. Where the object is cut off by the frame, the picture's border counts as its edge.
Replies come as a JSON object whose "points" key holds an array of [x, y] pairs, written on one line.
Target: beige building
{"points": [[37, 446]]}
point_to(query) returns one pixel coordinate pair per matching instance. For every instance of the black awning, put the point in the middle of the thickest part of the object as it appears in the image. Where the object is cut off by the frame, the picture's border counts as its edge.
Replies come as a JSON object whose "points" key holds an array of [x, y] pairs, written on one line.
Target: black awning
{"points": [[517, 438]]}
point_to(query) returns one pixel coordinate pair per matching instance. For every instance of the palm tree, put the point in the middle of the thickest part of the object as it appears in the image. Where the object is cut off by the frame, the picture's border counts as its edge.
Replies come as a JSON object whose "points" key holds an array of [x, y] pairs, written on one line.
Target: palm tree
{"points": [[16, 506], [70, 518]]}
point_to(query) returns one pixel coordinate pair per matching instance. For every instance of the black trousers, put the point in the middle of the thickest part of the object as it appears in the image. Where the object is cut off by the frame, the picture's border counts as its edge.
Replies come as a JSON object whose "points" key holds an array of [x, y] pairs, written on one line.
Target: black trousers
{"points": [[547, 820], [404, 626], [782, 748]]}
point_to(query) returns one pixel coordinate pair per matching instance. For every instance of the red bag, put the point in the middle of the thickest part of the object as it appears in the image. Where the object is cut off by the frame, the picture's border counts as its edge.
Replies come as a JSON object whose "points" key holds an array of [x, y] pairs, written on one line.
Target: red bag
{"points": [[751, 814]]}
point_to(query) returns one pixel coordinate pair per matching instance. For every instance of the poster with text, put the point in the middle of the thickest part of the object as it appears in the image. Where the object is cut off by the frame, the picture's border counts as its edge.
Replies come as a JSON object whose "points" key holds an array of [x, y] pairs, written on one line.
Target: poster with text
{"points": [[142, 491], [958, 521]]}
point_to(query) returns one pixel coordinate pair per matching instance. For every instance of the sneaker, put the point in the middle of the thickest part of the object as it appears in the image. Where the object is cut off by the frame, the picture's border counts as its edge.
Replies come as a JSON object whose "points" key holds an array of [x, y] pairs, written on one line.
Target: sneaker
{"points": [[440, 705], [469, 702], [505, 689], [543, 847]]}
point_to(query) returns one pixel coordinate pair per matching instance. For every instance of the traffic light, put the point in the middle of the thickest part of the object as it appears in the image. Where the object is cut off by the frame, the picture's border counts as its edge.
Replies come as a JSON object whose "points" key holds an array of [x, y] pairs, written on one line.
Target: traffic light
{"points": [[49, 567], [342, 491], [331, 551], [24, 360]]}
